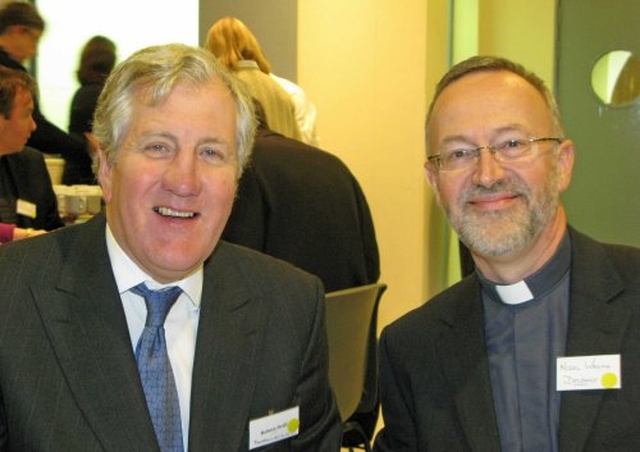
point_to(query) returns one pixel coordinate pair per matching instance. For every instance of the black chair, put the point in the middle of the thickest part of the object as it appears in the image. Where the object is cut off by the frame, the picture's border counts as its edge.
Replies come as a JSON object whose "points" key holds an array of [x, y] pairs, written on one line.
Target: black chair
{"points": [[352, 318]]}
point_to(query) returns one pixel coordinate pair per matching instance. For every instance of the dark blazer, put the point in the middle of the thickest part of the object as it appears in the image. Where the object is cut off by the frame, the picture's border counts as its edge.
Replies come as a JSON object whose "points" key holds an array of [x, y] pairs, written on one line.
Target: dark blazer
{"points": [[303, 205], [436, 387], [31, 180], [68, 376], [83, 105]]}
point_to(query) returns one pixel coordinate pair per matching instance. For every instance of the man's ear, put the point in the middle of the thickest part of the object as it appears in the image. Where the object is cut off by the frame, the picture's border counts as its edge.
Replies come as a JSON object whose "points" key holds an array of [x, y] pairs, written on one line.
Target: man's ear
{"points": [[566, 157], [93, 142], [104, 172], [431, 173]]}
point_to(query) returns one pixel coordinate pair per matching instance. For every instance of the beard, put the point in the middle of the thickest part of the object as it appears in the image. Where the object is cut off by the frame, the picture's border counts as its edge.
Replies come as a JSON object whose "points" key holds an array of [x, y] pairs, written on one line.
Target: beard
{"points": [[499, 232]]}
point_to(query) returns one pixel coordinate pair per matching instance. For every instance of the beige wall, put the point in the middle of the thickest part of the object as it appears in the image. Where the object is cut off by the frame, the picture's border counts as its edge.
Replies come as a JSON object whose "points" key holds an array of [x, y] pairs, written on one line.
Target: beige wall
{"points": [[522, 30], [370, 66], [362, 62]]}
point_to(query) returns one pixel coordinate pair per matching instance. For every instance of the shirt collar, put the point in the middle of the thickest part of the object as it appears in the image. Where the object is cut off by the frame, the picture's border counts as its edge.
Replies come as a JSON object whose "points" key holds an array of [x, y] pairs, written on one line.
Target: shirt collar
{"points": [[128, 274], [535, 285], [248, 64]]}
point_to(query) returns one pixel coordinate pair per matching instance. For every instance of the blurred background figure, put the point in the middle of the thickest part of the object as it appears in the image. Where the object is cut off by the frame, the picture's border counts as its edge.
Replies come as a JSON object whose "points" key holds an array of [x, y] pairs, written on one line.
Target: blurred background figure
{"points": [[21, 27], [27, 201], [303, 205], [97, 59], [233, 43], [303, 108]]}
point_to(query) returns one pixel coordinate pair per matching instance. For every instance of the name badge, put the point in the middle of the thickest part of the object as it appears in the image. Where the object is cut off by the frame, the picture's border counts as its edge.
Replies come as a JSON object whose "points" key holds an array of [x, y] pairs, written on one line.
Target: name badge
{"points": [[273, 428], [579, 373], [26, 208]]}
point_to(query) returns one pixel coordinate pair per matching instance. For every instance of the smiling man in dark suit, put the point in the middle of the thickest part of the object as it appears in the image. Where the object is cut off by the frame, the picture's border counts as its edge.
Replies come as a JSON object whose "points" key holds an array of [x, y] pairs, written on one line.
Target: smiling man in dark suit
{"points": [[243, 349], [537, 349]]}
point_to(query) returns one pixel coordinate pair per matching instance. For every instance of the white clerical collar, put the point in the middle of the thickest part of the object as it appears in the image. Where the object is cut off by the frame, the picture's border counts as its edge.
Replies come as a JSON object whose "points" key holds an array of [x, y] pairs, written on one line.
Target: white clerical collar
{"points": [[514, 293], [536, 285]]}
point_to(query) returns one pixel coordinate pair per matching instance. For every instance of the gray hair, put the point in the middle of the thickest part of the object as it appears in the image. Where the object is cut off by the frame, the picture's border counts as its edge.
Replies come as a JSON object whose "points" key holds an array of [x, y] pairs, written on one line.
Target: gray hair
{"points": [[157, 70], [495, 64]]}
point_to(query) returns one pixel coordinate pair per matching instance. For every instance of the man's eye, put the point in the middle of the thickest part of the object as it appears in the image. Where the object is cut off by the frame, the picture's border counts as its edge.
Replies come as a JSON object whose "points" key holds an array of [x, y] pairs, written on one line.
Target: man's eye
{"points": [[512, 144], [458, 154], [213, 154], [156, 148]]}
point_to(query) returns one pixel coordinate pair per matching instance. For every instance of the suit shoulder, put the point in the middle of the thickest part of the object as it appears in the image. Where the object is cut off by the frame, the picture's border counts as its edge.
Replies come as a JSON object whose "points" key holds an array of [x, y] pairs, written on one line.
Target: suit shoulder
{"points": [[429, 318], [28, 154], [593, 258], [256, 264]]}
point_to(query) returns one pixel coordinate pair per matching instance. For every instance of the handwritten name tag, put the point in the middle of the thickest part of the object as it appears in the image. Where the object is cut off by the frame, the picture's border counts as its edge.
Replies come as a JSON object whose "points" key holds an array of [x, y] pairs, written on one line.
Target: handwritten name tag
{"points": [[274, 428], [579, 373]]}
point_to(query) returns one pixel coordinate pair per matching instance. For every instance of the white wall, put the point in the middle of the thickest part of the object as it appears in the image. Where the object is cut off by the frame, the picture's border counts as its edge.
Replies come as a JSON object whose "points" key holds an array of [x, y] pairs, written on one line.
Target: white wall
{"points": [[131, 24]]}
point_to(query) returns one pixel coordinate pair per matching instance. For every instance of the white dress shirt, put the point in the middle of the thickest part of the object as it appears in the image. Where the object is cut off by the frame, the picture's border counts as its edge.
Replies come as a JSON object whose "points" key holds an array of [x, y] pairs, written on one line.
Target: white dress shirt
{"points": [[181, 324]]}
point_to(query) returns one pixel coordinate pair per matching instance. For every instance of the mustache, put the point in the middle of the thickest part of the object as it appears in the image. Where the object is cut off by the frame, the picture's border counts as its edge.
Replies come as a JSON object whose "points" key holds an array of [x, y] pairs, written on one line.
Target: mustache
{"points": [[509, 187]]}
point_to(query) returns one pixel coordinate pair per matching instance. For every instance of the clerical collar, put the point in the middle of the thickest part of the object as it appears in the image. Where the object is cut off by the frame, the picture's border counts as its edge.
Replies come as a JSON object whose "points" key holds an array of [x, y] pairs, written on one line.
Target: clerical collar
{"points": [[535, 285]]}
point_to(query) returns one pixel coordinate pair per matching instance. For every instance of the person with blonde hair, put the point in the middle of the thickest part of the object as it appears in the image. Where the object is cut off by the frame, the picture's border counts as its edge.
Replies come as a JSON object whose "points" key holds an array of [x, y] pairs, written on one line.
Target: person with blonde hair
{"points": [[286, 108]]}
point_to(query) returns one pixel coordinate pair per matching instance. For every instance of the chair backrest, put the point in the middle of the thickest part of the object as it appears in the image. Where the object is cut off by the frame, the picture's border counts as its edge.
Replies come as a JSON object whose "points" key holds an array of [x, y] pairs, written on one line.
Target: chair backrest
{"points": [[352, 337]]}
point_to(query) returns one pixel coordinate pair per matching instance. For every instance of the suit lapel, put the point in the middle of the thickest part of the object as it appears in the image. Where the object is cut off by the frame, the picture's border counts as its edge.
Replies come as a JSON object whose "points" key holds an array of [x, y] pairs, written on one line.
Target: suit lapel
{"points": [[464, 362], [87, 328], [226, 353], [597, 325]]}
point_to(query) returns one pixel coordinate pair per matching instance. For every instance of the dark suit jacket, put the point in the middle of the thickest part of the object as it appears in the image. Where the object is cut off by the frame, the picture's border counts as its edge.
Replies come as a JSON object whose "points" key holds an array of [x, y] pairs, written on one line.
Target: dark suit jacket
{"points": [[28, 172], [304, 206], [436, 387], [68, 376]]}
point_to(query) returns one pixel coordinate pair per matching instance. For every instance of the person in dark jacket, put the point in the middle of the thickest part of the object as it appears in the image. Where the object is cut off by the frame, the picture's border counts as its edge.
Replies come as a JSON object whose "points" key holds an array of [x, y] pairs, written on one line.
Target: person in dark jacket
{"points": [[96, 62], [303, 205], [21, 27], [27, 200]]}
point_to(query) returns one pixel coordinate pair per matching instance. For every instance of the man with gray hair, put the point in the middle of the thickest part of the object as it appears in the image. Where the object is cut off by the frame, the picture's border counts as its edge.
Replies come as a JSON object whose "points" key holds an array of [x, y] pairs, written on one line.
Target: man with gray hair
{"points": [[140, 330]]}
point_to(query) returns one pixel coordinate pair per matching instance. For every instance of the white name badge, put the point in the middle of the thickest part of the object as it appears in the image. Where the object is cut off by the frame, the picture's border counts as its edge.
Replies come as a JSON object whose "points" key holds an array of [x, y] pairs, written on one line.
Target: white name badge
{"points": [[579, 373], [273, 428], [26, 208]]}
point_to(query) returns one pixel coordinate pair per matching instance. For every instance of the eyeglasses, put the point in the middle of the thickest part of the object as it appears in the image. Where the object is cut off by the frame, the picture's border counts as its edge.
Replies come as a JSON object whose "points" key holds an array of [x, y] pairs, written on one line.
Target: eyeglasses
{"points": [[505, 151]]}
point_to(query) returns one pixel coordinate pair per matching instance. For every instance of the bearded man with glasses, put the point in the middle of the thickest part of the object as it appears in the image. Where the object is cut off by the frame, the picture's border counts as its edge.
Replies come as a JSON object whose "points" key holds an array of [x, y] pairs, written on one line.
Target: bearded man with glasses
{"points": [[537, 349]]}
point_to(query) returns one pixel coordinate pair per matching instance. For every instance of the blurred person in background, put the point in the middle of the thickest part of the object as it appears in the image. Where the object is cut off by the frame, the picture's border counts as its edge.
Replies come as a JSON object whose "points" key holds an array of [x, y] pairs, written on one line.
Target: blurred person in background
{"points": [[304, 109], [28, 205], [97, 59], [234, 44], [21, 28], [303, 205]]}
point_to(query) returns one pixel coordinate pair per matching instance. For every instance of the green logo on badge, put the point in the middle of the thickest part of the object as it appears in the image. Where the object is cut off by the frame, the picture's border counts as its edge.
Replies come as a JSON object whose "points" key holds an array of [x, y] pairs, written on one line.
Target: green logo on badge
{"points": [[293, 425], [609, 380]]}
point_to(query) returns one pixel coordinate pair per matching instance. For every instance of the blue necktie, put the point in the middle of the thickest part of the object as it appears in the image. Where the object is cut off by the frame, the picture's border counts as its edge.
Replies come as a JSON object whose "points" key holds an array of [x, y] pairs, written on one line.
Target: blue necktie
{"points": [[155, 368]]}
